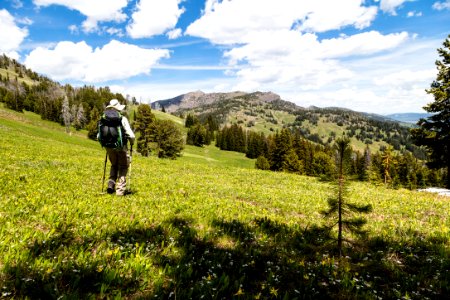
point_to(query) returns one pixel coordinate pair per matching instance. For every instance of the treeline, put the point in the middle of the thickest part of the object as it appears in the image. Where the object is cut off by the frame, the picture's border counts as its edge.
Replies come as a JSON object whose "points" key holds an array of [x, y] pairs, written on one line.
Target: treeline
{"points": [[367, 129], [200, 132], [67, 105], [289, 151], [81, 108], [159, 136]]}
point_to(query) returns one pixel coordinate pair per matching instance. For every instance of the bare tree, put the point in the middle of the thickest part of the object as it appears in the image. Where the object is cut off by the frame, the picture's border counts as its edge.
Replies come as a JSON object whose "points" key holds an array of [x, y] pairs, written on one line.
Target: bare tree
{"points": [[66, 114]]}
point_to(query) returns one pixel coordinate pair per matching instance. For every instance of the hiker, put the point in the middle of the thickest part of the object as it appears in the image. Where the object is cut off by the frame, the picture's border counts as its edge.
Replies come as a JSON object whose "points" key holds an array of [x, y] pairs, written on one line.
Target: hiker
{"points": [[117, 153]]}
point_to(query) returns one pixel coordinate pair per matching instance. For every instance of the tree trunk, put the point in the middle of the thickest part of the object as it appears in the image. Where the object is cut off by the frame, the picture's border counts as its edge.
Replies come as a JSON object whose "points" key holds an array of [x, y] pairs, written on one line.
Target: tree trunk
{"points": [[448, 175], [341, 183]]}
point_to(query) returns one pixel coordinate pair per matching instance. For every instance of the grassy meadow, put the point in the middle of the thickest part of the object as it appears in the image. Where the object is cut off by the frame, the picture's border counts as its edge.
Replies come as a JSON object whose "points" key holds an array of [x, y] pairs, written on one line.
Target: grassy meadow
{"points": [[205, 226]]}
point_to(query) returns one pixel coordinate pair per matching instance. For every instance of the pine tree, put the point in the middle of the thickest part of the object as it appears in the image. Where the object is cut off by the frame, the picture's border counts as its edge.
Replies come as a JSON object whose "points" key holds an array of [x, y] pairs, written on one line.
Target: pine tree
{"points": [[338, 205], [92, 126], [387, 163], [80, 118], [434, 132], [168, 139], [197, 136], [262, 163], [282, 146], [144, 121], [291, 162]]}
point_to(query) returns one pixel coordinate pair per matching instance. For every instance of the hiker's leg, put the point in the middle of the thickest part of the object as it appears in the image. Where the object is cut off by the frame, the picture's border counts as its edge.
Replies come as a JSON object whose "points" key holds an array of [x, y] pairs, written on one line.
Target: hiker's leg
{"points": [[113, 158], [123, 164]]}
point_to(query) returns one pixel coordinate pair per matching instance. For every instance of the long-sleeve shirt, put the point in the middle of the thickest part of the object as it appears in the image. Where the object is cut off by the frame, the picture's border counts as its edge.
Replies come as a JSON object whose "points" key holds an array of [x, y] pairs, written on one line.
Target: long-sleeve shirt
{"points": [[128, 131]]}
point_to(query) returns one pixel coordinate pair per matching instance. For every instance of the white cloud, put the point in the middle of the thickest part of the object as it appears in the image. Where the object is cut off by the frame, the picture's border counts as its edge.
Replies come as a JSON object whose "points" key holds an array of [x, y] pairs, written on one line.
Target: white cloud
{"points": [[174, 34], [154, 17], [301, 60], [151, 91], [115, 31], [411, 14], [73, 29], [390, 6], [329, 15], [11, 36], [17, 4], [78, 61], [95, 11], [24, 21], [233, 22], [405, 79], [272, 45], [442, 5]]}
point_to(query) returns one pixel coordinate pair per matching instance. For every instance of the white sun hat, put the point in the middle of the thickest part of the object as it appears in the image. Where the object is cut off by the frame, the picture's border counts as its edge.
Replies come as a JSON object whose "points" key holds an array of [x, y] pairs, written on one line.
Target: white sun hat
{"points": [[114, 103]]}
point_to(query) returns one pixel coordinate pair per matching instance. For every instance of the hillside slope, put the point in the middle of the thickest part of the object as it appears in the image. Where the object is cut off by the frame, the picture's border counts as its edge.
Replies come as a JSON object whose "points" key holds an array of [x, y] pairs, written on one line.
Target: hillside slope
{"points": [[193, 228], [22, 89], [268, 113]]}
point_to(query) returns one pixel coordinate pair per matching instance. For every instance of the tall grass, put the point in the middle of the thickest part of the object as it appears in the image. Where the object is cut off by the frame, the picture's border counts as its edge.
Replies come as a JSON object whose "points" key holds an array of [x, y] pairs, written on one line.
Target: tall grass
{"points": [[200, 226]]}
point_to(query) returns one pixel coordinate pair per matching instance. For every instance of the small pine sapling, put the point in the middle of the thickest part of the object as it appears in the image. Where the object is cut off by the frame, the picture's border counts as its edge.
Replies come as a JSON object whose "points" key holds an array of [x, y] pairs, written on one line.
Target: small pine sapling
{"points": [[346, 213]]}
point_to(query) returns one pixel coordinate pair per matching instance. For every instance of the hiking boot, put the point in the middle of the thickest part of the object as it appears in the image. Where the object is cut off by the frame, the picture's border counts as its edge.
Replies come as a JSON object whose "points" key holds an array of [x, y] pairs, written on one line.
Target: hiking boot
{"points": [[111, 188]]}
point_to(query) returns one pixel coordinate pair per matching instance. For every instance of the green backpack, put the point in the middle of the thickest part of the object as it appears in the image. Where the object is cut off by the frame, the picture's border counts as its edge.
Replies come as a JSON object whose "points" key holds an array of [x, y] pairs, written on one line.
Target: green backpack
{"points": [[111, 131]]}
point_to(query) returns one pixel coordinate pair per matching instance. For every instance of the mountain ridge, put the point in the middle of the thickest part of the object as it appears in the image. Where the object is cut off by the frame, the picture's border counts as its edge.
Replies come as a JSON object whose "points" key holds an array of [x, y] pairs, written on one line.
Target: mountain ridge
{"points": [[266, 112]]}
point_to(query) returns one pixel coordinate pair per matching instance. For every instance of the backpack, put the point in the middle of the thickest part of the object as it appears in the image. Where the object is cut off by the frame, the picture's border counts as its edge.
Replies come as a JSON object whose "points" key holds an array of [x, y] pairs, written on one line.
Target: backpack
{"points": [[110, 130]]}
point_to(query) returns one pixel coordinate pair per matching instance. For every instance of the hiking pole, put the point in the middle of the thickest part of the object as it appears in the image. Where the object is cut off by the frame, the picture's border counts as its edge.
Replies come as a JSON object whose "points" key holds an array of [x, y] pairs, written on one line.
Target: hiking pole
{"points": [[129, 170], [104, 171]]}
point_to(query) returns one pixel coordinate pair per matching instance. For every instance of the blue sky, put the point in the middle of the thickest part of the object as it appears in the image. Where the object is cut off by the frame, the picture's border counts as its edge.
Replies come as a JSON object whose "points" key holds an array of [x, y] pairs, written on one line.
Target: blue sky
{"points": [[373, 56]]}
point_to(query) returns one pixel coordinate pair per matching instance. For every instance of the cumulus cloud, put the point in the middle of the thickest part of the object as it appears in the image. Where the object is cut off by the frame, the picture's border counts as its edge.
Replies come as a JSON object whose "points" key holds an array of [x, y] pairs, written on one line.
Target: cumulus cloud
{"points": [[174, 34], [78, 61], [233, 22], [95, 11], [11, 36], [17, 4], [153, 17], [274, 45], [302, 60], [411, 14], [390, 6], [406, 78], [442, 5], [24, 21]]}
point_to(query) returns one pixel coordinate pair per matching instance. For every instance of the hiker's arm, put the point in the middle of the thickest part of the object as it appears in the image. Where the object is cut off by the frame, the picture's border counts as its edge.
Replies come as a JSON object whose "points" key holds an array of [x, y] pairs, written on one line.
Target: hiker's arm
{"points": [[128, 131]]}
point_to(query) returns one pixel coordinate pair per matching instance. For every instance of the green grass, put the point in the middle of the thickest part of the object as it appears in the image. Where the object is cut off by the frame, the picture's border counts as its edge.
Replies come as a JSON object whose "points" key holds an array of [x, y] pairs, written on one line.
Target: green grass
{"points": [[207, 224]]}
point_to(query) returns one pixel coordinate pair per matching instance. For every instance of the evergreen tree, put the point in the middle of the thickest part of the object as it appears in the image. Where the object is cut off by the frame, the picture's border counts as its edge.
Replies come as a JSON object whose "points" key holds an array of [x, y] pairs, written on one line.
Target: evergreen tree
{"points": [[168, 139], [282, 146], [262, 163], [434, 132], [291, 162], [197, 136], [338, 205], [190, 121], [388, 164], [92, 126], [143, 128], [363, 164], [322, 165], [80, 118]]}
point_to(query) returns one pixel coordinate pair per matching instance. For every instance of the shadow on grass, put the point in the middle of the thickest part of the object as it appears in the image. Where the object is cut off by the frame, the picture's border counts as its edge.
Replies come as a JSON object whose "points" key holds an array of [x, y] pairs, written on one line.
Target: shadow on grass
{"points": [[261, 259]]}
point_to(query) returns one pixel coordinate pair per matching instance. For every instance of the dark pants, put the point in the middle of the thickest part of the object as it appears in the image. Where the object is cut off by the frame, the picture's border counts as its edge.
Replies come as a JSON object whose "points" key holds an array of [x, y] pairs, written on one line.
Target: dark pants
{"points": [[119, 169]]}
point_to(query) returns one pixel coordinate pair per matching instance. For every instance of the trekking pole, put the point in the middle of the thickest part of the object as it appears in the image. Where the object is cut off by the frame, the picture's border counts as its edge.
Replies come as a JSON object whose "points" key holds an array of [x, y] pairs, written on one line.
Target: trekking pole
{"points": [[129, 171], [104, 171]]}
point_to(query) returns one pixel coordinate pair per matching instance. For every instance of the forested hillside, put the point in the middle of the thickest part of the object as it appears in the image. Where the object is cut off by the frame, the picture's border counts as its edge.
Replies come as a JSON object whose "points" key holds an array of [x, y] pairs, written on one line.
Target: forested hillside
{"points": [[268, 113], [200, 227], [22, 89], [282, 135]]}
